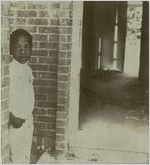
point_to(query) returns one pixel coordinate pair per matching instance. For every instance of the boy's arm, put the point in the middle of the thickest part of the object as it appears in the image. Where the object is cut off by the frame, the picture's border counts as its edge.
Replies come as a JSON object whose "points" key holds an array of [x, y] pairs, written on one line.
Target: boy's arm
{"points": [[31, 74], [12, 88]]}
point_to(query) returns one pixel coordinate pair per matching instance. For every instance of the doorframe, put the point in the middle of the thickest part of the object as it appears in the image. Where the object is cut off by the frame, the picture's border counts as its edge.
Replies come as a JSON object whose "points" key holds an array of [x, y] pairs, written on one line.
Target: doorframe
{"points": [[76, 64]]}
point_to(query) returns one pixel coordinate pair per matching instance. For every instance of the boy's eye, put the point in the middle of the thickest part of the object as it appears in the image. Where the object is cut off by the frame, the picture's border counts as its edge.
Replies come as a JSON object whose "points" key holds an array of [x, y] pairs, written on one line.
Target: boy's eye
{"points": [[18, 48], [27, 47]]}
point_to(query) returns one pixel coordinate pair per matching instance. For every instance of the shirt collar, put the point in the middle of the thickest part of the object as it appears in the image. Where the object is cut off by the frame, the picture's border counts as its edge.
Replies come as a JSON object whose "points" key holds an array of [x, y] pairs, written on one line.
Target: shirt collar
{"points": [[18, 63]]}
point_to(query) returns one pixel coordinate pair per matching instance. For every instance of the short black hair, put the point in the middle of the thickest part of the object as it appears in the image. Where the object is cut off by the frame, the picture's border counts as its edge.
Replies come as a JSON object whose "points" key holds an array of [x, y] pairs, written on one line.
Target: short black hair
{"points": [[14, 38]]}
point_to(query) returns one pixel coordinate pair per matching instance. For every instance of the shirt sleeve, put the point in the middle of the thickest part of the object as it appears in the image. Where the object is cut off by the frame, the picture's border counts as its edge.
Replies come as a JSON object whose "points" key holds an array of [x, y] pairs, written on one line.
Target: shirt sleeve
{"points": [[31, 75], [13, 86]]}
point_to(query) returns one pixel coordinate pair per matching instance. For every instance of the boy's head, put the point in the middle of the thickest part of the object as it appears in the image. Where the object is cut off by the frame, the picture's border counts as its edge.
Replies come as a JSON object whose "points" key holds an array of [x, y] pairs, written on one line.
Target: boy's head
{"points": [[21, 45]]}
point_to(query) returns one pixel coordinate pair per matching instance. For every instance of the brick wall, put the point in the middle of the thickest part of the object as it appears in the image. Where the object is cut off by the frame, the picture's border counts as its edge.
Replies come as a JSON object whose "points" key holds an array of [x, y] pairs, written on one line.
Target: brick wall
{"points": [[5, 59], [63, 75], [50, 24]]}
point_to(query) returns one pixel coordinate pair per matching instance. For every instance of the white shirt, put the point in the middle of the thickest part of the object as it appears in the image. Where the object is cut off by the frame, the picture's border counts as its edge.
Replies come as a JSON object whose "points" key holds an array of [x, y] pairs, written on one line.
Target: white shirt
{"points": [[21, 94]]}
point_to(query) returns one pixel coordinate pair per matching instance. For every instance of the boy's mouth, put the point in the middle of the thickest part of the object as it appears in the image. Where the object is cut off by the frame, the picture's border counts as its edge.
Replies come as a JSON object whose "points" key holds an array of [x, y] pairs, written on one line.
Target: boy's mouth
{"points": [[24, 58]]}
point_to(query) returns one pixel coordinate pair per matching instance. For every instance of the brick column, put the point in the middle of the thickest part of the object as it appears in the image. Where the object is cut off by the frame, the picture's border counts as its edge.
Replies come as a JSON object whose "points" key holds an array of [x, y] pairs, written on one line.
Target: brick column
{"points": [[50, 24], [63, 75], [5, 59]]}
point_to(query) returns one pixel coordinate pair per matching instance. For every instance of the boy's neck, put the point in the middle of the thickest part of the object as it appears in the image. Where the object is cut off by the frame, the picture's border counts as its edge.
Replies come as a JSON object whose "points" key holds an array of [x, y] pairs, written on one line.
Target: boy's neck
{"points": [[19, 62]]}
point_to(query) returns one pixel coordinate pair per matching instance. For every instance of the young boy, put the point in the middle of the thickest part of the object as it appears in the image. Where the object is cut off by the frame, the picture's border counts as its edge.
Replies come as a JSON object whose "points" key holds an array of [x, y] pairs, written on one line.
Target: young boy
{"points": [[21, 96]]}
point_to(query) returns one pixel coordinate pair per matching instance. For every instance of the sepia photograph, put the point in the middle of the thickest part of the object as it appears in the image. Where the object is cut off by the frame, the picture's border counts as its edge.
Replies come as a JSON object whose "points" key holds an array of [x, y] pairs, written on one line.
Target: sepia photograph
{"points": [[74, 82]]}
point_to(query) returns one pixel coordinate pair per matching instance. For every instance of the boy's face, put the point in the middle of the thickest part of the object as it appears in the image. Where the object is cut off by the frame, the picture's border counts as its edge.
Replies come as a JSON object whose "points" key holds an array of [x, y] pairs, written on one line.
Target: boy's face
{"points": [[22, 50]]}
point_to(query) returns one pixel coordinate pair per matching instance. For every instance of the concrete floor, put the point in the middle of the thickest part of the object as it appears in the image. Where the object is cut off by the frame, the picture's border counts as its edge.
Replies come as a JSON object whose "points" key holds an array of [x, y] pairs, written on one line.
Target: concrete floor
{"points": [[113, 124], [111, 138]]}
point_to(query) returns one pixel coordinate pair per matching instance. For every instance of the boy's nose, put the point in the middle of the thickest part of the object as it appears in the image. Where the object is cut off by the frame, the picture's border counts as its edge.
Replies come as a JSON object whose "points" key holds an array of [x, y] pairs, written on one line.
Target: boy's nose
{"points": [[23, 51]]}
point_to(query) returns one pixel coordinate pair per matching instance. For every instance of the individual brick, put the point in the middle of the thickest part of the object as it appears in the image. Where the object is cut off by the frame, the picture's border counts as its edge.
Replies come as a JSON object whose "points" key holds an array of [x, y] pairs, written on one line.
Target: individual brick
{"points": [[5, 70], [65, 13], [53, 53], [64, 62], [64, 54], [60, 130], [66, 5], [65, 22], [39, 111], [54, 22], [52, 68], [61, 108], [65, 38], [61, 123], [61, 115], [48, 45], [46, 90], [39, 37], [55, 5], [46, 104], [5, 117], [4, 105], [62, 93], [48, 30], [52, 97], [62, 85], [38, 82], [38, 21], [23, 13], [42, 75], [63, 69], [62, 101], [5, 81], [53, 37], [4, 93], [65, 46], [40, 125], [20, 21], [43, 14], [44, 133], [60, 146], [36, 52], [35, 45], [65, 30], [40, 67], [41, 118], [32, 29], [45, 60], [41, 97], [32, 5], [43, 6], [5, 150], [33, 60], [17, 5]]}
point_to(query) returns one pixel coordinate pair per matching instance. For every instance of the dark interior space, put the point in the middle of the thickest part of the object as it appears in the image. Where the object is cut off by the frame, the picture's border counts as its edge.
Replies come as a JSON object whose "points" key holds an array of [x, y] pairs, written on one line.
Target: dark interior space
{"points": [[107, 84], [101, 23], [110, 98]]}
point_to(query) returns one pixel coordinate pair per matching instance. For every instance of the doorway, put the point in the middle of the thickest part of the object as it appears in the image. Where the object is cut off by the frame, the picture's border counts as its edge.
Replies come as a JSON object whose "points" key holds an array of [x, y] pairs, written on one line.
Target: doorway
{"points": [[113, 107]]}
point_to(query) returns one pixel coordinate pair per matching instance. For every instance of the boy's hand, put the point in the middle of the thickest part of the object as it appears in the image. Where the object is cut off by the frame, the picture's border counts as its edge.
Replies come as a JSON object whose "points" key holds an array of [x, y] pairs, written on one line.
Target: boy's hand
{"points": [[14, 121]]}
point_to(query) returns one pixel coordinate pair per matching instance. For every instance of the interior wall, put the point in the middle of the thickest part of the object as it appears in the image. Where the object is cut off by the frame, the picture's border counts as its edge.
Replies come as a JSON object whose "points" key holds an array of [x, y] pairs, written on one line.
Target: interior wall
{"points": [[87, 36], [144, 54], [104, 20], [133, 38], [98, 22], [122, 27]]}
